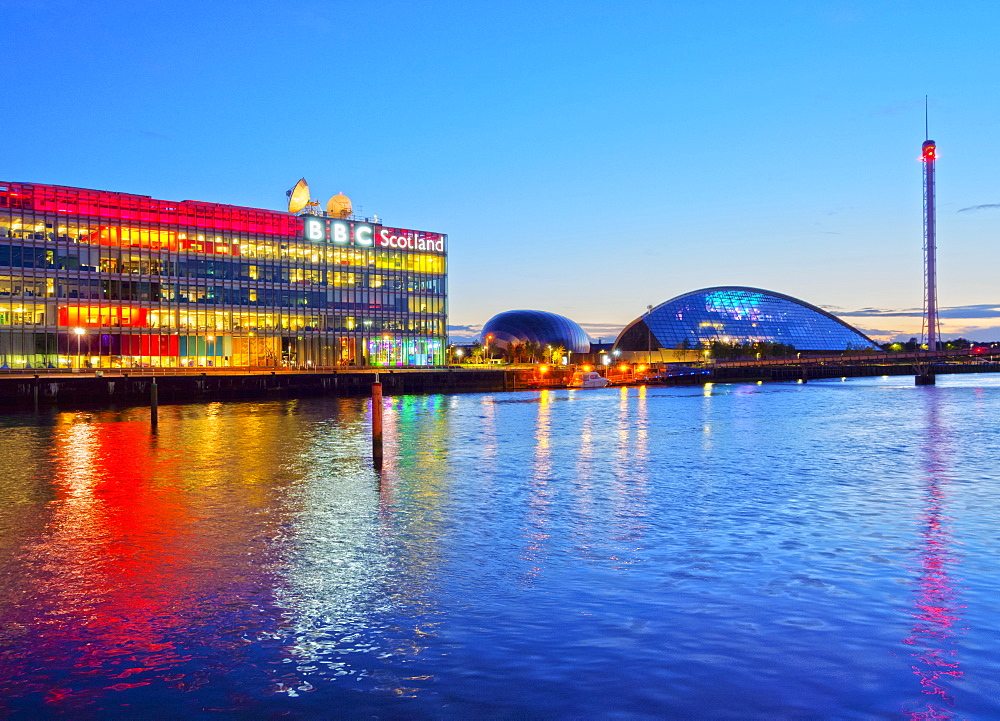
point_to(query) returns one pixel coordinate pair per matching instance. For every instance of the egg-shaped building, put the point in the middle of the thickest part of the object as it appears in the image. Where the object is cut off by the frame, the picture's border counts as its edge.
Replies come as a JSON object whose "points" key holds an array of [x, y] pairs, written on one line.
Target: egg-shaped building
{"points": [[537, 326], [733, 314]]}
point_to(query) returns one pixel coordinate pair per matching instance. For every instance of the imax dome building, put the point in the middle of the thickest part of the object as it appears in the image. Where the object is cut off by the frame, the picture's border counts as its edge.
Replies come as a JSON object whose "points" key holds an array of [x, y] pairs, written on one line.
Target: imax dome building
{"points": [[536, 326], [734, 314]]}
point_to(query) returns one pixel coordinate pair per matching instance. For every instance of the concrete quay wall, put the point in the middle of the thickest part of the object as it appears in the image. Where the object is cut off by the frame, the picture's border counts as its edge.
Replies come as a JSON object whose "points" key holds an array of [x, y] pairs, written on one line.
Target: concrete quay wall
{"points": [[133, 389], [113, 388]]}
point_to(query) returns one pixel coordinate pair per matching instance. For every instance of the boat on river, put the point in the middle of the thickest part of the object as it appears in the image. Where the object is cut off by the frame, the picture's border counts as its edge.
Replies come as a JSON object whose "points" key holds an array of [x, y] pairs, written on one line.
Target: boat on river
{"points": [[588, 379]]}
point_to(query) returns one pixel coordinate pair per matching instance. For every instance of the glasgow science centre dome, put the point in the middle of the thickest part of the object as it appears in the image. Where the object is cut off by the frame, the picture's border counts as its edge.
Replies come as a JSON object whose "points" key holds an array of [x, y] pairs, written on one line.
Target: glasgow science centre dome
{"points": [[733, 314], [538, 326]]}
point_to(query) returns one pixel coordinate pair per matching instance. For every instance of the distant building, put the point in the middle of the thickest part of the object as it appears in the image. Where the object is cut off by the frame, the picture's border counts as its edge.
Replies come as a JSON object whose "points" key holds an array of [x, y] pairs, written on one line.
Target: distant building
{"points": [[96, 279], [535, 326], [733, 314]]}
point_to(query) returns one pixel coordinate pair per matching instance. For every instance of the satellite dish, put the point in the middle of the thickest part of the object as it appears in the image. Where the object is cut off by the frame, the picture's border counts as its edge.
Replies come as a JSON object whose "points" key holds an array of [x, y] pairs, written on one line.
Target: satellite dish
{"points": [[339, 206], [298, 197]]}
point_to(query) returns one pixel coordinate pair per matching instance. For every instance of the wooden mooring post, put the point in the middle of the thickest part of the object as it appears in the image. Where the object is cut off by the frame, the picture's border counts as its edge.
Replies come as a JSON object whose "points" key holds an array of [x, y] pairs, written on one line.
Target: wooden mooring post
{"points": [[924, 375], [154, 410], [377, 423]]}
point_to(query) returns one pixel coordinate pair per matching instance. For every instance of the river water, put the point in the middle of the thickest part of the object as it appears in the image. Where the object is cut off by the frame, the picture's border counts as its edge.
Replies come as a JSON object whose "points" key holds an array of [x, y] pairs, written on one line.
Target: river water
{"points": [[820, 550]]}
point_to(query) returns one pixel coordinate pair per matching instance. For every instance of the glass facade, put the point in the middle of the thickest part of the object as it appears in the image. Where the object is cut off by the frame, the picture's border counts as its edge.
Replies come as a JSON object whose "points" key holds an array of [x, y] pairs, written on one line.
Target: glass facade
{"points": [[536, 326], [100, 280], [741, 315]]}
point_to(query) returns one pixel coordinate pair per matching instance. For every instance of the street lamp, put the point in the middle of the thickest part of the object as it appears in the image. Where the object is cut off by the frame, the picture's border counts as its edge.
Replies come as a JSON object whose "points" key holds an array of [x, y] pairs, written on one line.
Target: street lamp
{"points": [[79, 336]]}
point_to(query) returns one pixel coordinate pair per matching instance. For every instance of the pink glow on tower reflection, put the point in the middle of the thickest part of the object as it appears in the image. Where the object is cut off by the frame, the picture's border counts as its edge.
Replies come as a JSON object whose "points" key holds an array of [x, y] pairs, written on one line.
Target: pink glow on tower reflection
{"points": [[937, 604]]}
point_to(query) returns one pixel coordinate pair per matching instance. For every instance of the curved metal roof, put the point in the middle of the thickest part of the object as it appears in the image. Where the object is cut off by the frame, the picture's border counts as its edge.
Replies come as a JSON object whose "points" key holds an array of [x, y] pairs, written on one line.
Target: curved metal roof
{"points": [[741, 314], [538, 326]]}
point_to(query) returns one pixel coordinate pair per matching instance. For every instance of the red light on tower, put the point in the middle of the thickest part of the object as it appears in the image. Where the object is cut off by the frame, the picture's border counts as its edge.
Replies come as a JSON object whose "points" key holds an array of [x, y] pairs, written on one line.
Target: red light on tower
{"points": [[929, 152]]}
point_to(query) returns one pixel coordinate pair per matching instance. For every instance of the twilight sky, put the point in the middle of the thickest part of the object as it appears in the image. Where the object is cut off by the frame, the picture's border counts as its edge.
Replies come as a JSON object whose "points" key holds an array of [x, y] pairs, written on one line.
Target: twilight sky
{"points": [[587, 158]]}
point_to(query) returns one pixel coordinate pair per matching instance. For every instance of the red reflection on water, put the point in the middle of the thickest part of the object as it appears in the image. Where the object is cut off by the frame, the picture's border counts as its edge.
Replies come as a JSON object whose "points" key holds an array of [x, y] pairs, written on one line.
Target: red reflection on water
{"points": [[154, 562], [112, 590], [936, 604]]}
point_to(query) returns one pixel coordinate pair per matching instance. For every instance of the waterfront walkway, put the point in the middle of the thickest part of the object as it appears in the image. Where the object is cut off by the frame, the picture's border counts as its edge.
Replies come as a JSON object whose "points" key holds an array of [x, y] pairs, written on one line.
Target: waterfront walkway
{"points": [[102, 386]]}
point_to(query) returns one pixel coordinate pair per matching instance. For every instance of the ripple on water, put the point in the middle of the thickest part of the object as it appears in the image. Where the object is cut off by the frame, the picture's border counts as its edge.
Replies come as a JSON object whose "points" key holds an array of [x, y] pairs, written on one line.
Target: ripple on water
{"points": [[773, 551]]}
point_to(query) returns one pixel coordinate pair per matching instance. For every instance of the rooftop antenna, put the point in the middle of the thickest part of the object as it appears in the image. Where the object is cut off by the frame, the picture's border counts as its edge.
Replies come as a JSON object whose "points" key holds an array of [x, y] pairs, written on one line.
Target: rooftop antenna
{"points": [[298, 197]]}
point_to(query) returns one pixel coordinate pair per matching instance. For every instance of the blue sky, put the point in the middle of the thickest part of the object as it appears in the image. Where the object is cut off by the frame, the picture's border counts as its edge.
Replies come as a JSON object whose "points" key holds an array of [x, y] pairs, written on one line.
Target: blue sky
{"points": [[587, 158]]}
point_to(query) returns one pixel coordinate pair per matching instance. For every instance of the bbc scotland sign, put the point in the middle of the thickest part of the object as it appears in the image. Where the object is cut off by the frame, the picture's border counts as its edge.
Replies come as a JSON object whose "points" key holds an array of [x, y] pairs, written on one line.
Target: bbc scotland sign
{"points": [[369, 235]]}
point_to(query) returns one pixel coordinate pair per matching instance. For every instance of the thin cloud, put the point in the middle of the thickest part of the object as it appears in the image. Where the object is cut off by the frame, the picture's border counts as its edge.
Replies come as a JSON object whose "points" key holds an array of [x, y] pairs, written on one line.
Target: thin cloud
{"points": [[463, 334], [985, 310], [880, 313], [975, 333], [602, 331], [978, 333], [880, 333], [986, 206], [980, 310], [900, 108]]}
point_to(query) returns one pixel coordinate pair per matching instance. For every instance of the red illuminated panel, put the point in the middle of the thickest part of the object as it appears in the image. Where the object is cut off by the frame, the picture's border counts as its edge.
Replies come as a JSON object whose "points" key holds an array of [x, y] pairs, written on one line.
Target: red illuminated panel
{"points": [[146, 345], [113, 235], [103, 204], [133, 237], [92, 316]]}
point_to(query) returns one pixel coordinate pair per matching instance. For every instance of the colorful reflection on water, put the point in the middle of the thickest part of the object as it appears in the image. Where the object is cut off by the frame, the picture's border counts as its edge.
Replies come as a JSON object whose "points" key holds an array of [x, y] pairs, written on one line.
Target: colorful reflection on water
{"points": [[937, 605], [733, 551]]}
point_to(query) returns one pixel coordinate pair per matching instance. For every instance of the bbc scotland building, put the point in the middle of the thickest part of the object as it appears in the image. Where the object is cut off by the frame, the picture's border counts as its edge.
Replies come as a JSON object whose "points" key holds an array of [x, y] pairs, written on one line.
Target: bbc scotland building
{"points": [[100, 279]]}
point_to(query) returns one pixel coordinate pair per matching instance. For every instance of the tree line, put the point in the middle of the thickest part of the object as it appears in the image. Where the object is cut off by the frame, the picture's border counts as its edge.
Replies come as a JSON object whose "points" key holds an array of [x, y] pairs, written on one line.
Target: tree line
{"points": [[518, 352], [747, 351]]}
